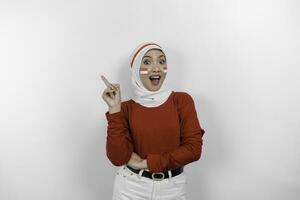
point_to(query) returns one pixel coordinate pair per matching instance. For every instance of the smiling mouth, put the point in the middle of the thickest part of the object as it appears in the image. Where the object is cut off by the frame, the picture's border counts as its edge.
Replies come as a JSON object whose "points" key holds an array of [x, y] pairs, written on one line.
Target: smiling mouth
{"points": [[155, 79]]}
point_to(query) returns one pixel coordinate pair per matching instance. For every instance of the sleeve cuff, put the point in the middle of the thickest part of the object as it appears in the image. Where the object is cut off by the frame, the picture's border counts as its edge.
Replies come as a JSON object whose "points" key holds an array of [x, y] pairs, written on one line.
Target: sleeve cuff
{"points": [[153, 162], [110, 116], [128, 156]]}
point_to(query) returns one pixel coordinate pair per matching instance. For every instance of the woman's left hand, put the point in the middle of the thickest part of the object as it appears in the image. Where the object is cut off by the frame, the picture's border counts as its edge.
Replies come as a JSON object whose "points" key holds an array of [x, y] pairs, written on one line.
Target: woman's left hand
{"points": [[137, 162]]}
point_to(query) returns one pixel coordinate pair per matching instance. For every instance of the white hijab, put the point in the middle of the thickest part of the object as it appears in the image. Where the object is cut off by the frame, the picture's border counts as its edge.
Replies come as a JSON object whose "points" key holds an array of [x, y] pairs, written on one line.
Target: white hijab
{"points": [[141, 94]]}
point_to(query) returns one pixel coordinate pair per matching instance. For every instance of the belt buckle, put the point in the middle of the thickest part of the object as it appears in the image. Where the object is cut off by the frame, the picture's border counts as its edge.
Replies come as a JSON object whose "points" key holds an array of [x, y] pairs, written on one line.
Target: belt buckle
{"points": [[159, 179]]}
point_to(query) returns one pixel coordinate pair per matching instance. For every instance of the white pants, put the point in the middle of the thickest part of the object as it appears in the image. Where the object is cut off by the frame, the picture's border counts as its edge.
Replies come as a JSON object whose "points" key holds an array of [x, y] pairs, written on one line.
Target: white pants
{"points": [[131, 186]]}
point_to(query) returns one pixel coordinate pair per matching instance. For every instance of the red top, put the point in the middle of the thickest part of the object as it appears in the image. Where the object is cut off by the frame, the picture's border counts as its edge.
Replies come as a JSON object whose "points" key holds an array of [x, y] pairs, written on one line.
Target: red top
{"points": [[168, 136]]}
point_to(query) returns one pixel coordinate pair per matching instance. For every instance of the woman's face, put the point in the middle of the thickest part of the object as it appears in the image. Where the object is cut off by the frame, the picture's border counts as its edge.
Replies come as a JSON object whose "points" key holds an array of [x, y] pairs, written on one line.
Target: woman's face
{"points": [[153, 69]]}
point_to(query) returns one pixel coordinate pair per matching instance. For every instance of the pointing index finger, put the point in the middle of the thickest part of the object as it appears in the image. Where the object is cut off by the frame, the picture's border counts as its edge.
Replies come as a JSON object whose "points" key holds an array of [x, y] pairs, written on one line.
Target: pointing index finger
{"points": [[105, 80], [107, 83]]}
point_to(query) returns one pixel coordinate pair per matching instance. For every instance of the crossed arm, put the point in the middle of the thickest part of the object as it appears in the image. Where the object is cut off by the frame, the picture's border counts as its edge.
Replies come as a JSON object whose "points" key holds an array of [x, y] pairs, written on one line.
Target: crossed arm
{"points": [[119, 145]]}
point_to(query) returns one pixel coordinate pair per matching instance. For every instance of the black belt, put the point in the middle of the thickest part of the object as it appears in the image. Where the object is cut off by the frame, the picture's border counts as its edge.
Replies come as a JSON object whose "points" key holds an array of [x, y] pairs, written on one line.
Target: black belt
{"points": [[162, 175]]}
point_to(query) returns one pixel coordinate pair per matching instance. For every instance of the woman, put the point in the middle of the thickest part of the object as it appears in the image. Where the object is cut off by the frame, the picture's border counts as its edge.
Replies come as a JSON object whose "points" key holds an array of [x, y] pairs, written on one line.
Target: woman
{"points": [[154, 134]]}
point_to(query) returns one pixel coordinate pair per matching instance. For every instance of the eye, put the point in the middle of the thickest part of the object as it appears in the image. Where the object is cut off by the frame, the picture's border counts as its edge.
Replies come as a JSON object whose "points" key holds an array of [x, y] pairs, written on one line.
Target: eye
{"points": [[146, 62], [162, 62]]}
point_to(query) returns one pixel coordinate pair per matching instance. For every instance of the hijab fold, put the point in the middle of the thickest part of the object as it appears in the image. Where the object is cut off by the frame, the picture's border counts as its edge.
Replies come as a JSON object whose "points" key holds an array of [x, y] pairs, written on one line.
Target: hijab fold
{"points": [[142, 95]]}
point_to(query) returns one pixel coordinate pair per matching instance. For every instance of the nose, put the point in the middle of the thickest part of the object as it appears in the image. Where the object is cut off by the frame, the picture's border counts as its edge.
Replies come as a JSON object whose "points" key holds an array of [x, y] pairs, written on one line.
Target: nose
{"points": [[156, 68]]}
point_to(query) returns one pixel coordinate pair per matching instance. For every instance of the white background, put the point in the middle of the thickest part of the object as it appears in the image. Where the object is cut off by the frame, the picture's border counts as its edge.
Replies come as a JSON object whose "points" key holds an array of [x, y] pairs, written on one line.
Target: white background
{"points": [[238, 59]]}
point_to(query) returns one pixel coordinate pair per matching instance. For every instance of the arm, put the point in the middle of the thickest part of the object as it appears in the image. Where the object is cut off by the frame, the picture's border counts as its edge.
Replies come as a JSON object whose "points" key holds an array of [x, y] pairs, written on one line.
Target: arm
{"points": [[119, 145], [191, 140]]}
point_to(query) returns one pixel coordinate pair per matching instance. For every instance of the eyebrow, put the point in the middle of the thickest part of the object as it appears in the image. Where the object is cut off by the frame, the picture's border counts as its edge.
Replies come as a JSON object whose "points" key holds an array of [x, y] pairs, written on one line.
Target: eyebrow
{"points": [[158, 56]]}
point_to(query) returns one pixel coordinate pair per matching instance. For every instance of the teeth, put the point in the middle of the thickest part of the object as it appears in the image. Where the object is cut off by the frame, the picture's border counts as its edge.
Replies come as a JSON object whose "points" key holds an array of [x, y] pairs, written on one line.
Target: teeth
{"points": [[155, 76]]}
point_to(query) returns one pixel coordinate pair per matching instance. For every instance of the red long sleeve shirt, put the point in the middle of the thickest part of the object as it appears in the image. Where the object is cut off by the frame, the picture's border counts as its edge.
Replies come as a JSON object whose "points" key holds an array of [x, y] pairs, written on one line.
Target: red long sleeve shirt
{"points": [[168, 136]]}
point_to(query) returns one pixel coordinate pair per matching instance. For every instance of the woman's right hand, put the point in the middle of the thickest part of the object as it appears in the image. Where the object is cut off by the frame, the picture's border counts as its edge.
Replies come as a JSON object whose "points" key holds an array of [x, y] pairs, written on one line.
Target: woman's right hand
{"points": [[112, 94]]}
